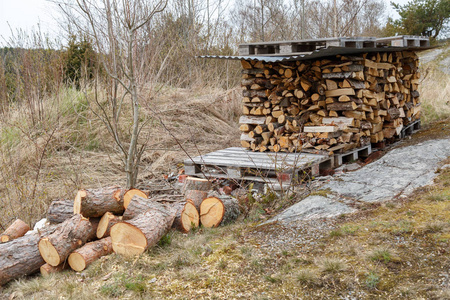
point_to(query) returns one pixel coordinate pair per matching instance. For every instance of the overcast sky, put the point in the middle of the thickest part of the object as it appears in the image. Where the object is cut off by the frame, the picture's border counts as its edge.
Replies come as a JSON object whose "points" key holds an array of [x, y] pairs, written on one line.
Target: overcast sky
{"points": [[27, 14]]}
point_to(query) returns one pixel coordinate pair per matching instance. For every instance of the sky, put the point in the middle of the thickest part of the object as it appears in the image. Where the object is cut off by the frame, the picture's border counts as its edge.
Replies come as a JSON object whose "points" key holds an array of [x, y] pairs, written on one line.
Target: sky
{"points": [[27, 14]]}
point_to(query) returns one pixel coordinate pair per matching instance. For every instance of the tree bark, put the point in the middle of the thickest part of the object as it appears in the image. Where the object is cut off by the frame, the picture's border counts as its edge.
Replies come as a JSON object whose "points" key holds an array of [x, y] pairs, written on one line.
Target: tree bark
{"points": [[196, 197], [139, 205], [21, 256], [193, 183], [135, 236], [17, 229], [96, 202], [84, 256], [69, 235], [215, 211], [105, 224], [59, 211]]}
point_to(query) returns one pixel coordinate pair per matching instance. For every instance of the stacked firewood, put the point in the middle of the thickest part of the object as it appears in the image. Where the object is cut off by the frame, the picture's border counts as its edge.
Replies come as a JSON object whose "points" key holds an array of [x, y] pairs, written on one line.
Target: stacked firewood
{"points": [[332, 104], [101, 221]]}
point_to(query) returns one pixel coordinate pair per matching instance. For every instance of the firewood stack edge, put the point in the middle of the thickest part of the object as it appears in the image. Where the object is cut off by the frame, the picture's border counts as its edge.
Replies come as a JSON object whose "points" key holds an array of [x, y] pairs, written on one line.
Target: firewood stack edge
{"points": [[331, 105]]}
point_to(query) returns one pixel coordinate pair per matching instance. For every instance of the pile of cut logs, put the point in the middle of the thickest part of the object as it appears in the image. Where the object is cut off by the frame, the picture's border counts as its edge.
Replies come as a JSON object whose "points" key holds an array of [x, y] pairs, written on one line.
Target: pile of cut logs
{"points": [[101, 221], [333, 104]]}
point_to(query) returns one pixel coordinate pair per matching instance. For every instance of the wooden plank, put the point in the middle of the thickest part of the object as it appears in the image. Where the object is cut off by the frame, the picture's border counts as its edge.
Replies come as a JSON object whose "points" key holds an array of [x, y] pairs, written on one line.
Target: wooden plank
{"points": [[320, 129], [204, 159], [341, 122], [249, 164], [340, 92], [252, 120], [244, 151]]}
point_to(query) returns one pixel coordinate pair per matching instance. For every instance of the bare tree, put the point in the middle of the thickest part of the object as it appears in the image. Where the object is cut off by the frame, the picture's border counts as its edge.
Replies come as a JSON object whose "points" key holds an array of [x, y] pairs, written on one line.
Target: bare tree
{"points": [[119, 31]]}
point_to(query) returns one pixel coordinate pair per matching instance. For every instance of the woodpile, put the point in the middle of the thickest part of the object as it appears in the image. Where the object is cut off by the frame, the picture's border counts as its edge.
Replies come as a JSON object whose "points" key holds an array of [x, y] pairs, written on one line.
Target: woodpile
{"points": [[78, 236], [333, 104]]}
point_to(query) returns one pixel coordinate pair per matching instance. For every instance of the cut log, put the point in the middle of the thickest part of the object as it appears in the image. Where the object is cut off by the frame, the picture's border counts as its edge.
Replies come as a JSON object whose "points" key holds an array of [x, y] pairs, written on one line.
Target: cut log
{"points": [[105, 224], [59, 211], [135, 236], [130, 193], [84, 256], [215, 211], [47, 270], [139, 205], [186, 216], [199, 184], [96, 202], [17, 229], [21, 256], [196, 197], [246, 65], [69, 235]]}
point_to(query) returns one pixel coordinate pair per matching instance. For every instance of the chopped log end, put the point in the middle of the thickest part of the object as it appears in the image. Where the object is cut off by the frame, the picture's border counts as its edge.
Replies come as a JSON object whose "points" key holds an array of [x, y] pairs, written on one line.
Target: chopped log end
{"points": [[77, 202], [47, 270], [189, 217], [105, 224], [129, 195], [82, 257], [49, 252], [17, 229], [77, 262], [211, 212], [127, 240]]}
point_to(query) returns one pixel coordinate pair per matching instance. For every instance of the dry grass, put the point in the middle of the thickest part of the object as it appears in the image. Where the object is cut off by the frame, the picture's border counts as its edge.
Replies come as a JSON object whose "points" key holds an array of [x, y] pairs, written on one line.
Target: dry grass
{"points": [[435, 88], [392, 251], [69, 148]]}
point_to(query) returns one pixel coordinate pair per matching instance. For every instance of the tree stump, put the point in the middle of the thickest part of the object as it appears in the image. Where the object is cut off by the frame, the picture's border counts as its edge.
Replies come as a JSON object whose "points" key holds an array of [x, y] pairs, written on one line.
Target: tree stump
{"points": [[84, 256], [215, 211], [196, 197], [69, 235], [105, 224], [135, 236], [96, 202], [59, 211], [17, 229], [21, 256], [199, 184], [129, 195]]}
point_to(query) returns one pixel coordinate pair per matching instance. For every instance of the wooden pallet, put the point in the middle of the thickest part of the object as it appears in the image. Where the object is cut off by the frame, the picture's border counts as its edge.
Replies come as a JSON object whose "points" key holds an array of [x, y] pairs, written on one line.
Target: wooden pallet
{"points": [[352, 155], [404, 41], [410, 129], [241, 164], [302, 46], [296, 47]]}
